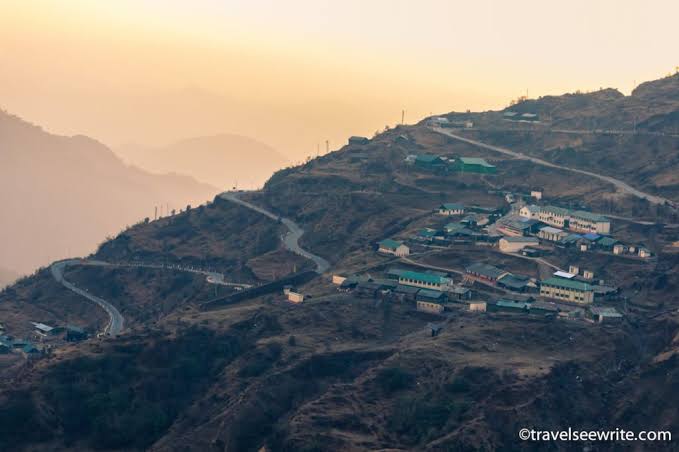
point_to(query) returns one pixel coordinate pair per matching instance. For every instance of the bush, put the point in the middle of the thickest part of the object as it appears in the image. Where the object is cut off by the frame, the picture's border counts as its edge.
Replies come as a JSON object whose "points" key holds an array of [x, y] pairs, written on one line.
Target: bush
{"points": [[393, 379]]}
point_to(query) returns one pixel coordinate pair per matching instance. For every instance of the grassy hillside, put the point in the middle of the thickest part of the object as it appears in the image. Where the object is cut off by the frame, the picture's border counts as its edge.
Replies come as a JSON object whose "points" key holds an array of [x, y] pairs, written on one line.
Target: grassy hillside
{"points": [[339, 372]]}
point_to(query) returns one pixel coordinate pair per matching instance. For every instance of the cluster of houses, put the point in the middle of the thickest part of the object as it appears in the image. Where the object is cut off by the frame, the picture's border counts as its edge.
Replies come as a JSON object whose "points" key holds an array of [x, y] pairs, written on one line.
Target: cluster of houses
{"points": [[430, 291], [584, 230], [434, 292], [597, 314], [42, 332], [439, 163]]}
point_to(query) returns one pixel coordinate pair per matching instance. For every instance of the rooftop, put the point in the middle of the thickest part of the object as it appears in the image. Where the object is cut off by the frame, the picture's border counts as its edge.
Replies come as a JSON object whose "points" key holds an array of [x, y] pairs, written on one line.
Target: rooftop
{"points": [[512, 304], [452, 206], [567, 284], [432, 294], [520, 239], [485, 270], [390, 244], [551, 230], [589, 216], [556, 210], [475, 161], [605, 311], [424, 277]]}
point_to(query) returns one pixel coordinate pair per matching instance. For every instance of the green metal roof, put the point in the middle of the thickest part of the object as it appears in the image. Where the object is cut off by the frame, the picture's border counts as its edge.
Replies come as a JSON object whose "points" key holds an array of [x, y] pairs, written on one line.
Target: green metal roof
{"points": [[427, 158], [589, 216], [567, 284], [512, 304], [390, 244], [607, 241], [556, 210], [424, 277], [475, 161]]}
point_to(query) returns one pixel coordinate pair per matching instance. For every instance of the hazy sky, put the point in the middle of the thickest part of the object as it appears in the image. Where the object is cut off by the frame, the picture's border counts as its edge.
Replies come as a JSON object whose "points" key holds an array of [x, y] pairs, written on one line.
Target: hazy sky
{"points": [[293, 73]]}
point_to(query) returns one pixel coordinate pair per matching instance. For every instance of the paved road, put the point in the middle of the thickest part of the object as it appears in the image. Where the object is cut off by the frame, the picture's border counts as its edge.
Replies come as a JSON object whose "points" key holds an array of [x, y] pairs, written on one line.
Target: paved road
{"points": [[291, 239], [116, 321], [211, 277], [620, 185]]}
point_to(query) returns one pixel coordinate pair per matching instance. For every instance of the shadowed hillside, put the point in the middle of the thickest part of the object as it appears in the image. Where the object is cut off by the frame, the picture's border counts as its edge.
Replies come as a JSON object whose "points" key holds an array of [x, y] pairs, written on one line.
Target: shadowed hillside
{"points": [[62, 195]]}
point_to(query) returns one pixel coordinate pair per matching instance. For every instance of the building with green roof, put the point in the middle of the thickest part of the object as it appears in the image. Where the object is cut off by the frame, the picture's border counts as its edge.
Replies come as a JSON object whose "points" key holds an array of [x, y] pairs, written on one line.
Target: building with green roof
{"points": [[567, 290], [474, 165], [423, 280], [389, 246]]}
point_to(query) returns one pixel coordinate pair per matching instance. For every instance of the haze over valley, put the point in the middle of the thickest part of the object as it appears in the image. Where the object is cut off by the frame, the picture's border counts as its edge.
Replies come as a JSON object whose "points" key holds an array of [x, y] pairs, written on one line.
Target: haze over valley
{"points": [[269, 226]]}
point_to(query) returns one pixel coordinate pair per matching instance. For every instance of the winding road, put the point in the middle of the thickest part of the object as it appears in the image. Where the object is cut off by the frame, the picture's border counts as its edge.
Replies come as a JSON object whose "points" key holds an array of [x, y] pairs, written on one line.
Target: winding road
{"points": [[620, 185], [116, 321], [291, 239]]}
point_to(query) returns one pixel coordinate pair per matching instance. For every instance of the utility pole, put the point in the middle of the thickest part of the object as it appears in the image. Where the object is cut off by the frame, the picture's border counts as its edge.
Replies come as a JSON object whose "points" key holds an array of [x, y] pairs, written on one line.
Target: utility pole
{"points": [[327, 146], [403, 117]]}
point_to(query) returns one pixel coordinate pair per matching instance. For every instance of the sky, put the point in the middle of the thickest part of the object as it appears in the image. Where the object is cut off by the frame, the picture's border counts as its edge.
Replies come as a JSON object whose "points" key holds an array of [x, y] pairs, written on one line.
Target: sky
{"points": [[295, 73]]}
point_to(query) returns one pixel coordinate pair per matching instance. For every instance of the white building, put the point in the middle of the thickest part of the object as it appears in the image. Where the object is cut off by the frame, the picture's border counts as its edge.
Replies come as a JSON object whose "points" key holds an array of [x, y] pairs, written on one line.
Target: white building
{"points": [[450, 209], [394, 247], [531, 212], [578, 220], [552, 234], [537, 194]]}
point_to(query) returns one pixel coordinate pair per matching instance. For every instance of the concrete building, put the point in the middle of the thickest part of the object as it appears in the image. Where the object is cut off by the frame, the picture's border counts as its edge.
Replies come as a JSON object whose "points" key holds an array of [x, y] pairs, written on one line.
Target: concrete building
{"points": [[552, 234], [338, 279], [424, 280], [484, 272], [536, 193], [532, 212], [295, 297], [567, 290], [476, 306], [554, 216], [429, 307], [42, 330], [515, 244], [516, 226], [602, 314], [581, 221], [393, 247], [644, 252], [450, 209]]}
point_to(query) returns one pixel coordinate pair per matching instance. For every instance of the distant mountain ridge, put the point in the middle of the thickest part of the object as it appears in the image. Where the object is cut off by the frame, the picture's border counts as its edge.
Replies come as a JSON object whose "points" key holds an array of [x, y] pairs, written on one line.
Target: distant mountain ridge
{"points": [[223, 160], [61, 195]]}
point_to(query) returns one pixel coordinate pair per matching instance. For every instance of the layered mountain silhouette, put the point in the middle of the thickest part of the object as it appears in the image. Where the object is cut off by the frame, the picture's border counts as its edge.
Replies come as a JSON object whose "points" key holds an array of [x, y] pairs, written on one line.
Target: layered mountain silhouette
{"points": [[62, 195], [223, 160]]}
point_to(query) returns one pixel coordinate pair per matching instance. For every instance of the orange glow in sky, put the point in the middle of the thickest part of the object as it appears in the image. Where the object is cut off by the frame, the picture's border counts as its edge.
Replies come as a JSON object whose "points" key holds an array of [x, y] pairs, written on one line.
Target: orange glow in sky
{"points": [[295, 73]]}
